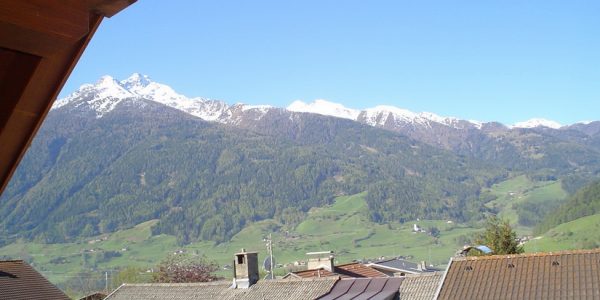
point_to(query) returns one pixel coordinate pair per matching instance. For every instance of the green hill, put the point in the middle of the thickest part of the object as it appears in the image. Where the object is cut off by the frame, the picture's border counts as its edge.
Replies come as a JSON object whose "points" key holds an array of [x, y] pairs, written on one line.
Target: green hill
{"points": [[585, 202], [343, 227], [525, 202], [206, 181], [582, 233]]}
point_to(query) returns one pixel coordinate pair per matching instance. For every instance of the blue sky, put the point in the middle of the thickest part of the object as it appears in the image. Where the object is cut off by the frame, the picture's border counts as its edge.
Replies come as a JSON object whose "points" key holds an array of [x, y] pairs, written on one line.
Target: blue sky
{"points": [[506, 61]]}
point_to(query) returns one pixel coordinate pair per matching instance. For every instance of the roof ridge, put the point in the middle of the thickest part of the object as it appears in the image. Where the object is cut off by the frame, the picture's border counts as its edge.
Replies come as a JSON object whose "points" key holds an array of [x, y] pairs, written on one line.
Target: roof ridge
{"points": [[12, 260], [302, 279], [309, 270], [220, 282], [350, 263], [532, 254]]}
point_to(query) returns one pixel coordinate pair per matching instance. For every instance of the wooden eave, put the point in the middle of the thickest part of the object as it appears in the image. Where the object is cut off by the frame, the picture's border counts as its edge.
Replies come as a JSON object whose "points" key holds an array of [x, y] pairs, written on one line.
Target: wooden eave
{"points": [[40, 43]]}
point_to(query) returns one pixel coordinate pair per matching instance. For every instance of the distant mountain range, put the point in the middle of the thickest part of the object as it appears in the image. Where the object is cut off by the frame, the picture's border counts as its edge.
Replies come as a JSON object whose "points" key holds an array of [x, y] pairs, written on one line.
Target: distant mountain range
{"points": [[117, 153], [460, 136], [109, 92]]}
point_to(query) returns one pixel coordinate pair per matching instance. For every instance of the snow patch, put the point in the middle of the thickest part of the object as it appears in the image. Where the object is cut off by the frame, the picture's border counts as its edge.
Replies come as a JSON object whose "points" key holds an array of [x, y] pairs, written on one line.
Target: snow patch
{"points": [[537, 122], [261, 108], [324, 107]]}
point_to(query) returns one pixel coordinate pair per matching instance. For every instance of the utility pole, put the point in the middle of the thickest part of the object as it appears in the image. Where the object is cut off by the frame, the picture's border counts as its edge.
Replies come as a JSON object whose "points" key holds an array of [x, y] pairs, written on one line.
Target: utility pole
{"points": [[271, 254], [269, 245], [106, 281]]}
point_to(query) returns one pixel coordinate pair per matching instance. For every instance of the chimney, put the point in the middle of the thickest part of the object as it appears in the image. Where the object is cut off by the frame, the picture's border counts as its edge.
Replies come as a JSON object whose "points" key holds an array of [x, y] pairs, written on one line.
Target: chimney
{"points": [[422, 266], [317, 260], [245, 271]]}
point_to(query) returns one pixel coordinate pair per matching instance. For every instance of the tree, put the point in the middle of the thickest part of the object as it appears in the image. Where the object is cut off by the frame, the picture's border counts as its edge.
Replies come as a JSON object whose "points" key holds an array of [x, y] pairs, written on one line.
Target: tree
{"points": [[182, 268], [500, 237], [130, 274], [434, 231]]}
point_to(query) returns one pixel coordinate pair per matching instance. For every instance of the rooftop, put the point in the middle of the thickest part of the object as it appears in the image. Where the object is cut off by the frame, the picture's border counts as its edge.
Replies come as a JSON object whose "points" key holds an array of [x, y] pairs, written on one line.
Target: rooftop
{"points": [[421, 286], [18, 280], [263, 289], [552, 275], [350, 270]]}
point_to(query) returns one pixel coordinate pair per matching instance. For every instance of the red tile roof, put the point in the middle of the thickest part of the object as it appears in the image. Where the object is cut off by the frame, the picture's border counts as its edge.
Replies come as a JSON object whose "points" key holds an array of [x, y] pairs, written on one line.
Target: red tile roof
{"points": [[357, 270], [314, 273], [558, 275], [18, 280]]}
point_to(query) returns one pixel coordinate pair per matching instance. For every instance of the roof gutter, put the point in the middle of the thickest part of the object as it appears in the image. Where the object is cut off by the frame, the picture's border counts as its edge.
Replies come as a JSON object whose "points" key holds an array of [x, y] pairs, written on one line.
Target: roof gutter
{"points": [[376, 266], [439, 288]]}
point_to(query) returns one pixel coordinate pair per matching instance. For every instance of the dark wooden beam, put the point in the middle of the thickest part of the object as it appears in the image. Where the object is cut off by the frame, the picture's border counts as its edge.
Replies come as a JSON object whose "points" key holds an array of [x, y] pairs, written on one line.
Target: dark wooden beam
{"points": [[40, 43]]}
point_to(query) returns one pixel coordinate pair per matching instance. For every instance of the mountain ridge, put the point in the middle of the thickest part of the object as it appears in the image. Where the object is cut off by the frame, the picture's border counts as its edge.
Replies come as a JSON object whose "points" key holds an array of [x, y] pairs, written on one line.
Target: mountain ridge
{"points": [[141, 86], [143, 160], [117, 153]]}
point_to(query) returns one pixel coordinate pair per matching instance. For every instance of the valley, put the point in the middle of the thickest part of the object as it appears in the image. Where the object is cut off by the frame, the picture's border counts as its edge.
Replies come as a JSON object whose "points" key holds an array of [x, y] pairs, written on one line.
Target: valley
{"points": [[343, 227], [124, 173]]}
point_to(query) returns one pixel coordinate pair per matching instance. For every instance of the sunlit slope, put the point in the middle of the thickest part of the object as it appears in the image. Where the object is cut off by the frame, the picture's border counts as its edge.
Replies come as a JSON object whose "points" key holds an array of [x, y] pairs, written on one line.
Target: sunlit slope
{"points": [[582, 233], [342, 227], [525, 202]]}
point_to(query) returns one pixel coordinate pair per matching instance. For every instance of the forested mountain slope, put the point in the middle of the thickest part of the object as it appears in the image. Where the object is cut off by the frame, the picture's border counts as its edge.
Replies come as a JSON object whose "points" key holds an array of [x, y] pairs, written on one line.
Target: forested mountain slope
{"points": [[86, 175], [118, 153]]}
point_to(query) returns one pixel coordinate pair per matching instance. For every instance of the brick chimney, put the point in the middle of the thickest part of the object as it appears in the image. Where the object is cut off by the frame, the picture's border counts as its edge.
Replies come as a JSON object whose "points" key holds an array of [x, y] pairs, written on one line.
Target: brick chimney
{"points": [[245, 270]]}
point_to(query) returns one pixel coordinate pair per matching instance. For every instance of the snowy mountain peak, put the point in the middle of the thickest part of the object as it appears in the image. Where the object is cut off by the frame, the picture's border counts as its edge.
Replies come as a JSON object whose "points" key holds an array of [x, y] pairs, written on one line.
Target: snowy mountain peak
{"points": [[537, 122], [382, 114], [136, 80], [109, 87], [323, 107], [397, 112], [103, 96]]}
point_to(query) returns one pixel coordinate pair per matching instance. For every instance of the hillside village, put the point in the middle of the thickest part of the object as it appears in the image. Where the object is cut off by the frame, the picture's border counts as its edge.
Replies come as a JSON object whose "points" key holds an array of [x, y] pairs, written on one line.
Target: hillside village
{"points": [[557, 275]]}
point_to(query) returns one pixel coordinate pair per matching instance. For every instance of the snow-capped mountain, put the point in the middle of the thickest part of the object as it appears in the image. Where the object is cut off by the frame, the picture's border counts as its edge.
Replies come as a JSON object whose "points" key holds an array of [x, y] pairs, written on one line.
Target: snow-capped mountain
{"points": [[105, 95], [378, 116]]}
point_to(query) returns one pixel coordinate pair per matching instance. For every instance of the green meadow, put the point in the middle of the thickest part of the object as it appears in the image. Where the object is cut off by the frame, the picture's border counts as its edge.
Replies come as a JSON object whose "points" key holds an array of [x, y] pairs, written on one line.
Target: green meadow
{"points": [[520, 190], [343, 227]]}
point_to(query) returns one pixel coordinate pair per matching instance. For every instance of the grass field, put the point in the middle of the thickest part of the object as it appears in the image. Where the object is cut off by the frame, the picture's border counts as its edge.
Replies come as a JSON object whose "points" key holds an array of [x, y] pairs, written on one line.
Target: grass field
{"points": [[583, 233], [343, 227], [521, 189]]}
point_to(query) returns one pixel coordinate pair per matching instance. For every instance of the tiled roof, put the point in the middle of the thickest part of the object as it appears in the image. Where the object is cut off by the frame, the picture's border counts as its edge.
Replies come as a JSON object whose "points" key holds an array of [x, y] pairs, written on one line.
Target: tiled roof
{"points": [[365, 288], [399, 264], [289, 289], [420, 287], [396, 264], [94, 296], [559, 275], [174, 291], [358, 270], [18, 280], [350, 270], [313, 273], [328, 288], [262, 290]]}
